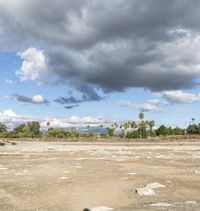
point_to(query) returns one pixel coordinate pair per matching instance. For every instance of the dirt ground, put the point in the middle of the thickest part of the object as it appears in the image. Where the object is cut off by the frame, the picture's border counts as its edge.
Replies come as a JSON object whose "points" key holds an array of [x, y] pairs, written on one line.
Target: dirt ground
{"points": [[46, 176]]}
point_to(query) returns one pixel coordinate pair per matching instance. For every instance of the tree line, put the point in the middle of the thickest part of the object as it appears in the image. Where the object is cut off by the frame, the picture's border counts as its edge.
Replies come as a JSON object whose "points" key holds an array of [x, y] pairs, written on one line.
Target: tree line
{"points": [[130, 129]]}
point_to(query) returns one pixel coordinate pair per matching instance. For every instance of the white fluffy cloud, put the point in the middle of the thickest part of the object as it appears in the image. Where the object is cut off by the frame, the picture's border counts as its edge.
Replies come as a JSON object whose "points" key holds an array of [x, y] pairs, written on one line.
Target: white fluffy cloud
{"points": [[34, 64], [149, 106], [181, 97], [11, 119], [38, 99], [8, 81]]}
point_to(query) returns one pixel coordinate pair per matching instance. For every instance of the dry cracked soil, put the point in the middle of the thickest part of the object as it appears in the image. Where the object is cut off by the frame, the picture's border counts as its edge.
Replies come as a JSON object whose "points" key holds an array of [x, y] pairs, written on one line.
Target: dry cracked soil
{"points": [[46, 176]]}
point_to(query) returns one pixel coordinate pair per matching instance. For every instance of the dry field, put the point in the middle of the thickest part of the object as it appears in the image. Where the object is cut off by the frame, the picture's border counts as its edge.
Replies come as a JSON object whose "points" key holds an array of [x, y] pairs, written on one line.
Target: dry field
{"points": [[46, 176]]}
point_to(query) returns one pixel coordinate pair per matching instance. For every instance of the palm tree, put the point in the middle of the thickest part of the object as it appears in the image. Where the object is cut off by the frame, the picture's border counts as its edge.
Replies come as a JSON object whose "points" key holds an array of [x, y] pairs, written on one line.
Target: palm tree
{"points": [[193, 119], [134, 125], [141, 117], [116, 125], [48, 125], [100, 126], [126, 126], [151, 125], [88, 128]]}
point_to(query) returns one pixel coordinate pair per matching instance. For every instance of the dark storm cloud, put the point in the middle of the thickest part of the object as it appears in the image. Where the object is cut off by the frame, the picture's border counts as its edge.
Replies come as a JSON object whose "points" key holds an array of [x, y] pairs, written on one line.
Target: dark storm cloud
{"points": [[37, 99], [72, 101], [109, 45], [71, 106]]}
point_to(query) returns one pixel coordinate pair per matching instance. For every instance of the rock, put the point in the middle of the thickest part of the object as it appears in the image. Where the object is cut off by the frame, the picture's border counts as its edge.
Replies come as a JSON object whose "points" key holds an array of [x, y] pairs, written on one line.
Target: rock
{"points": [[101, 208], [2, 143], [148, 190], [145, 191], [155, 185]]}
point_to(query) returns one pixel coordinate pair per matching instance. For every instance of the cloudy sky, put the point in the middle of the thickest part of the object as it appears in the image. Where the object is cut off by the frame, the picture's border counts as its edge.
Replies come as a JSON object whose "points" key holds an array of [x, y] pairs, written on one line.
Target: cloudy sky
{"points": [[80, 62]]}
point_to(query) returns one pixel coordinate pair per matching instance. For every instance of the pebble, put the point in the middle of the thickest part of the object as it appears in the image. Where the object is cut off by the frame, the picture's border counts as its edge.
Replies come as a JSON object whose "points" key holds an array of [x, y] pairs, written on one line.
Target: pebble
{"points": [[155, 185], [148, 190], [63, 178], [145, 191], [131, 173], [101, 208]]}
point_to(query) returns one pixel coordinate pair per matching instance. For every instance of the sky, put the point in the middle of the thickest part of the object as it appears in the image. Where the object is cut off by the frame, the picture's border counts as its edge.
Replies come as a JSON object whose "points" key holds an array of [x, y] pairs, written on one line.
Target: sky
{"points": [[91, 62]]}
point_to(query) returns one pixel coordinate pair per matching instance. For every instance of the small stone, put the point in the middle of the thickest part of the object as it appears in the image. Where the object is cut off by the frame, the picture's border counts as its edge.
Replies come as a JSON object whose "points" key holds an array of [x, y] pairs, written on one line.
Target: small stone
{"points": [[155, 185], [101, 208], [131, 173], [148, 189], [145, 191], [63, 178]]}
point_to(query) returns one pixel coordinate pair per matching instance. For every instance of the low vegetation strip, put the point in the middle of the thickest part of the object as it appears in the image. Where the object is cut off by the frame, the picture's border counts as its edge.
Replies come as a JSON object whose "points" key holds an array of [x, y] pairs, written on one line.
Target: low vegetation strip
{"points": [[129, 130]]}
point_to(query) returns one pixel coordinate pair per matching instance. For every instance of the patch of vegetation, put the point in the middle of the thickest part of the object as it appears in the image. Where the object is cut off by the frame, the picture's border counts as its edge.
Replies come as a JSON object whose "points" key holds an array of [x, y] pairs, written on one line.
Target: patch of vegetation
{"points": [[128, 130]]}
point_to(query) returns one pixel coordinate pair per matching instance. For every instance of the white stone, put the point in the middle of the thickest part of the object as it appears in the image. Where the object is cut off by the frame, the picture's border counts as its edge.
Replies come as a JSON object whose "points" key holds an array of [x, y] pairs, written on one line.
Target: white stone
{"points": [[190, 202], [145, 191], [3, 168], [162, 204], [131, 173], [155, 185], [101, 208], [63, 177]]}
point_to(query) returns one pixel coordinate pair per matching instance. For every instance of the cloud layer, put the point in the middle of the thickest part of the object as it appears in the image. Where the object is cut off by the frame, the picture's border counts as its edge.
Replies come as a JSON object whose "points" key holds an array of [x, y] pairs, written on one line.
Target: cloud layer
{"points": [[181, 97], [149, 106], [11, 119], [105, 46]]}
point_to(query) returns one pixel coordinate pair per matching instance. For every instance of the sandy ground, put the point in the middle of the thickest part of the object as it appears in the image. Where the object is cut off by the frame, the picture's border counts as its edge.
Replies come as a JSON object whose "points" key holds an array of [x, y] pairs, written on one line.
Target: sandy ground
{"points": [[72, 176]]}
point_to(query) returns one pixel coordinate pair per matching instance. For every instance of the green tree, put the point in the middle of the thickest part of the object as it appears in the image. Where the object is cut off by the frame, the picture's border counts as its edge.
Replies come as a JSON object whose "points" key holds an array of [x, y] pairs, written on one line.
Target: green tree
{"points": [[3, 128], [18, 131], [193, 129], [3, 131], [162, 130], [134, 125], [111, 129], [73, 132], [33, 128], [57, 133]]}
